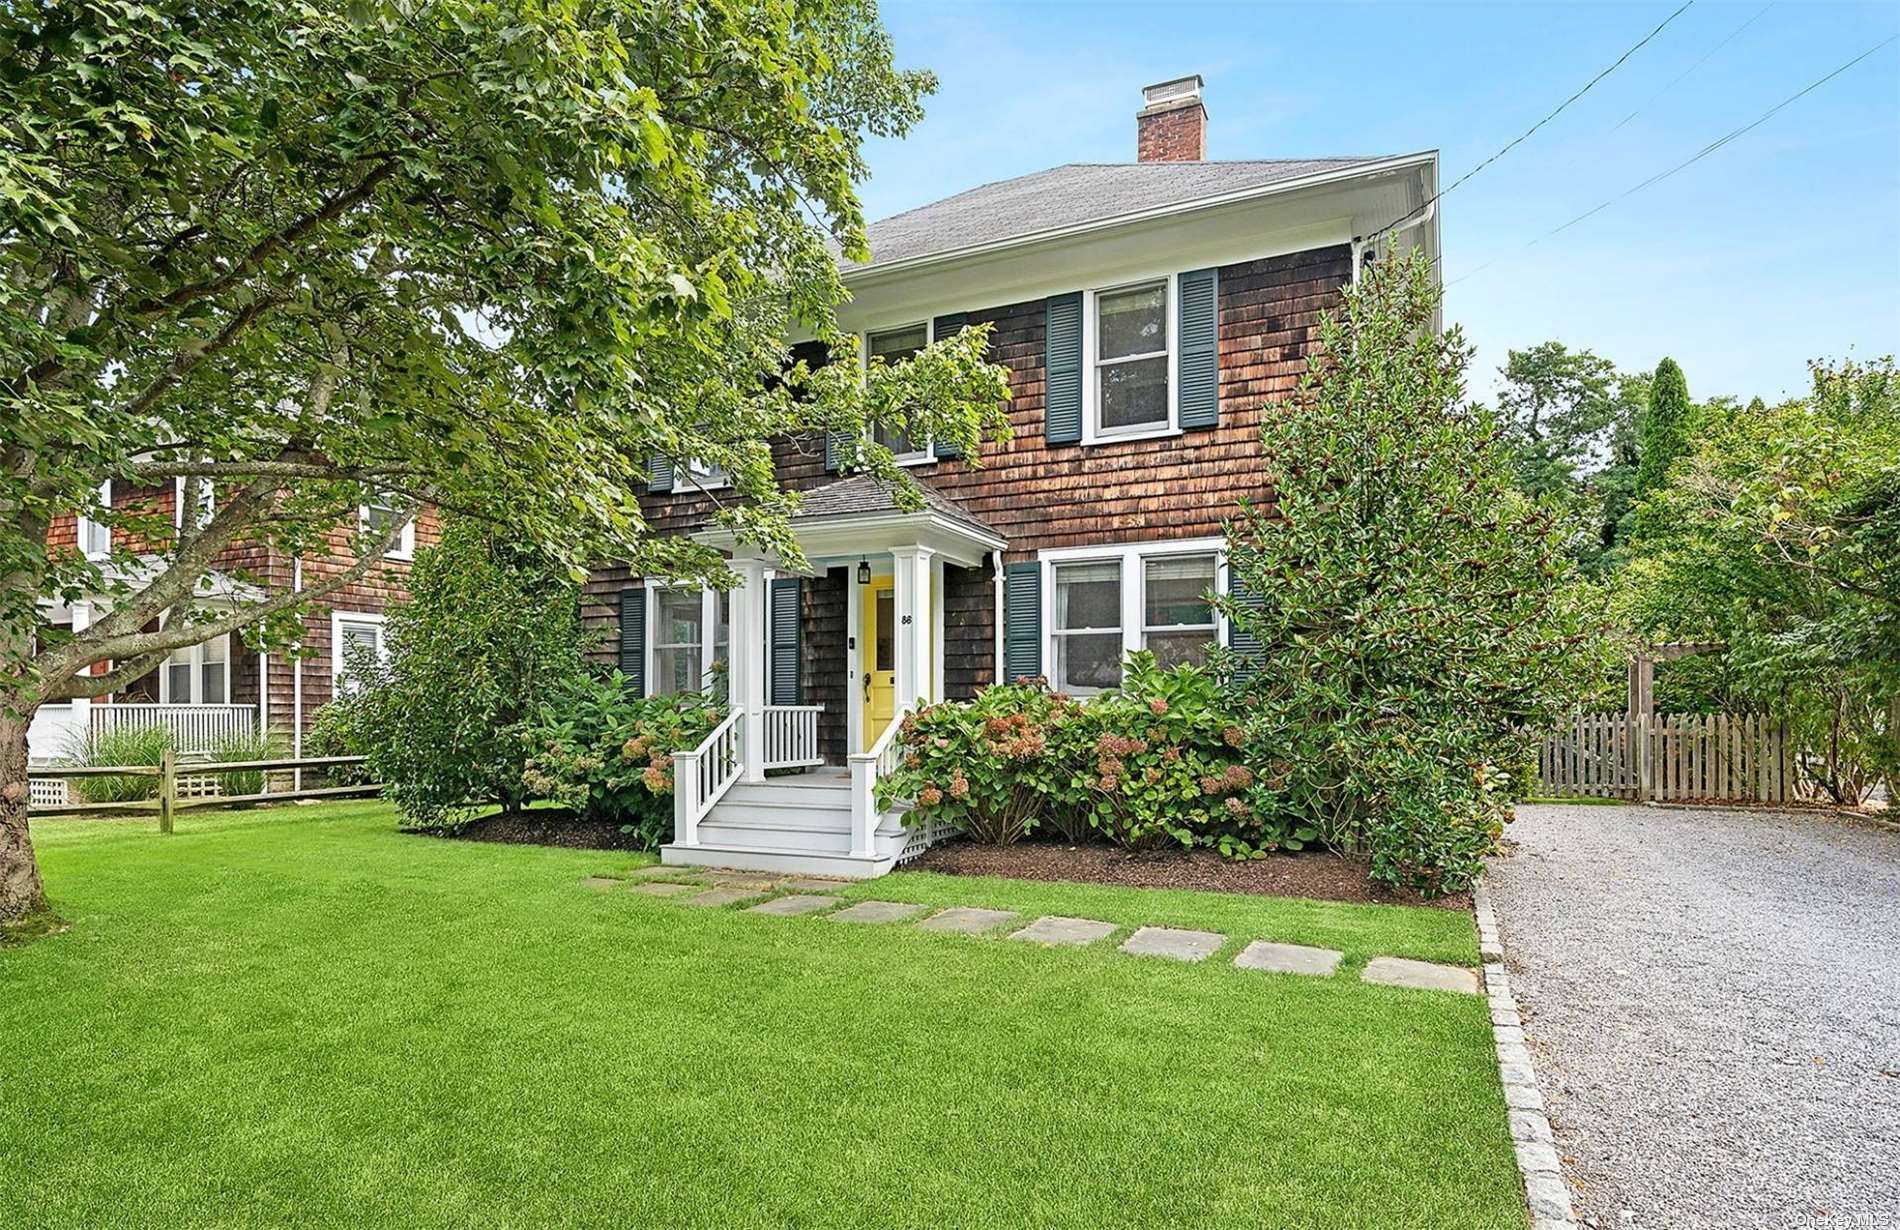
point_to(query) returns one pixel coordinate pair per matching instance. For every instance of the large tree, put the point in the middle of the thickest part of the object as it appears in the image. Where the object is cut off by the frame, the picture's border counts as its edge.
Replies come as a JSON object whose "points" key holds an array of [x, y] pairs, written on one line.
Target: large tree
{"points": [[1571, 422], [486, 254], [1778, 535], [1420, 618], [1666, 426]]}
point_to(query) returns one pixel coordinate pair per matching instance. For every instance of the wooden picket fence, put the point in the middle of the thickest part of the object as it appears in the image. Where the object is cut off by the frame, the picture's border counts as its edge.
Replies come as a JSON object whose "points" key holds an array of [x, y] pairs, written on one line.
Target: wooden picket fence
{"points": [[1721, 756]]}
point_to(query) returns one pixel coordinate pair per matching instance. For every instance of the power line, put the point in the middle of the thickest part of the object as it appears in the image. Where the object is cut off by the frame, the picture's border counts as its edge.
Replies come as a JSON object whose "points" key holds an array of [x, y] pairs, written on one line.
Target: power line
{"points": [[1700, 154], [1707, 56], [1521, 137]]}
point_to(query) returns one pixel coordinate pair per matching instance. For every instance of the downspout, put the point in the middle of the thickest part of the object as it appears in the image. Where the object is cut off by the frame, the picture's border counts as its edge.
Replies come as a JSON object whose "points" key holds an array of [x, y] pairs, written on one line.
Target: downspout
{"points": [[996, 662], [296, 680]]}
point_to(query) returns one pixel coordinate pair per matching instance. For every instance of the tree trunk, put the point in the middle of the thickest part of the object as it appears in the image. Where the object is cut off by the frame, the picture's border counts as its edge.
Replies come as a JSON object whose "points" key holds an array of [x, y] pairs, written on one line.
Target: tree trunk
{"points": [[21, 894]]}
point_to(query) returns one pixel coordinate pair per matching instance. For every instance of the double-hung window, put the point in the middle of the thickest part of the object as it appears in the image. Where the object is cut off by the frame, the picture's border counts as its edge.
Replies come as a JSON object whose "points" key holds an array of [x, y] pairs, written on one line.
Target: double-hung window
{"points": [[691, 638], [356, 641], [200, 515], [375, 518], [197, 674], [1105, 603], [895, 346], [1087, 627], [95, 537], [1131, 359]]}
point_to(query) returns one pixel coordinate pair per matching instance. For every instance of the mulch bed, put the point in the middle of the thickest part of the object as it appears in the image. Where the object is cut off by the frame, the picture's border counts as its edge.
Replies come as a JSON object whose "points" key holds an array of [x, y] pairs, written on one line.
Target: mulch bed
{"points": [[541, 826], [1317, 875]]}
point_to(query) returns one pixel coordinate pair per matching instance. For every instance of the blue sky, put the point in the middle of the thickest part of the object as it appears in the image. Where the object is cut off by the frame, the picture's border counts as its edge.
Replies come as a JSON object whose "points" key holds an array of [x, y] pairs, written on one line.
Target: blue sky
{"points": [[1782, 246]]}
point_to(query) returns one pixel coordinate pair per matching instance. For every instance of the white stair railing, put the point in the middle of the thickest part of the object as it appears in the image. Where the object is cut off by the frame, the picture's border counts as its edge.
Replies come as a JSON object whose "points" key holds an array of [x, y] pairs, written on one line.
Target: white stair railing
{"points": [[867, 769], [702, 776], [791, 736]]}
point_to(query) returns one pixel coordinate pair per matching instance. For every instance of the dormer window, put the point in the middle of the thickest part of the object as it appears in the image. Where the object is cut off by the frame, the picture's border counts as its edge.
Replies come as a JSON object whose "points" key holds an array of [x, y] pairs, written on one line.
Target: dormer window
{"points": [[895, 346], [1131, 359]]}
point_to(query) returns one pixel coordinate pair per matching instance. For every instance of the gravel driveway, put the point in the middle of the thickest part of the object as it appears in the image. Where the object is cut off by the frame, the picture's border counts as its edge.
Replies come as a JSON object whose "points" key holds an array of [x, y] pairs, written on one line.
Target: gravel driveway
{"points": [[1713, 1001]]}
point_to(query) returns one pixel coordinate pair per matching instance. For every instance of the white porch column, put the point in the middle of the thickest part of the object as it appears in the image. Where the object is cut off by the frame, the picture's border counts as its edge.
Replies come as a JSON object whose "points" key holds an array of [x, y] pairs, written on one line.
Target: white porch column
{"points": [[746, 674], [914, 636], [82, 706]]}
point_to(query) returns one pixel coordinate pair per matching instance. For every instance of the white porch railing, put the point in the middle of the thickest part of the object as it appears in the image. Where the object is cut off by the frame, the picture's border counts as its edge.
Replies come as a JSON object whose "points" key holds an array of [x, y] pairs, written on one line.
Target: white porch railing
{"points": [[867, 769], [702, 776], [195, 728], [791, 736]]}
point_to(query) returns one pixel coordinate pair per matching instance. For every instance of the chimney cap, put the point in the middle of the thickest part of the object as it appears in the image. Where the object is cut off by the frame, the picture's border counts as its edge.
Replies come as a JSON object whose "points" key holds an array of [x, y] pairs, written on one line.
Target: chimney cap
{"points": [[1173, 92]]}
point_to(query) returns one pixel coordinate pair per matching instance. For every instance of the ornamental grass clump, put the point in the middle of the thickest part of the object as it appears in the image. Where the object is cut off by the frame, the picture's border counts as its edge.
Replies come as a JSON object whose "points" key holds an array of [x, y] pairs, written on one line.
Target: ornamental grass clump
{"points": [[986, 765]]}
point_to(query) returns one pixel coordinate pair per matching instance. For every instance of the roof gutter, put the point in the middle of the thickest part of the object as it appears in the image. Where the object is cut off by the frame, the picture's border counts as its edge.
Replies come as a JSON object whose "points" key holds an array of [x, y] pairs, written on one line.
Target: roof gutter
{"points": [[863, 273]]}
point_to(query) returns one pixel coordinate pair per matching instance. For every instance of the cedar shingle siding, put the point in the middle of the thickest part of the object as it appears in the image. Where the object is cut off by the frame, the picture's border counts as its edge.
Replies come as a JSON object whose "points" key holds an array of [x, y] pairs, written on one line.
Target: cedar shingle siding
{"points": [[1040, 495]]}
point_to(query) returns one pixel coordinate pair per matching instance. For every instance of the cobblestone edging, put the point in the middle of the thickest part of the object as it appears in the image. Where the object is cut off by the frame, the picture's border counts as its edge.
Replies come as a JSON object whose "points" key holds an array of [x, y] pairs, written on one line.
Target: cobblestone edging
{"points": [[1544, 1188]]}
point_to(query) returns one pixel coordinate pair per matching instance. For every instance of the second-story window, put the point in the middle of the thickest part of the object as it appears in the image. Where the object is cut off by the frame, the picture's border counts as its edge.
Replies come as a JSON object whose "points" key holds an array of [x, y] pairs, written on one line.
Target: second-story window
{"points": [[95, 537], [1131, 359], [207, 504], [894, 346], [375, 519]]}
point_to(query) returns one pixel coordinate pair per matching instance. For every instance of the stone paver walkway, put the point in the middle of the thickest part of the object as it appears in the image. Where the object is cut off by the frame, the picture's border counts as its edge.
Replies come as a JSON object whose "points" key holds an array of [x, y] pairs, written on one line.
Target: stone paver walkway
{"points": [[968, 920], [1289, 958], [1178, 945], [1066, 931], [814, 896], [877, 912], [801, 903]]}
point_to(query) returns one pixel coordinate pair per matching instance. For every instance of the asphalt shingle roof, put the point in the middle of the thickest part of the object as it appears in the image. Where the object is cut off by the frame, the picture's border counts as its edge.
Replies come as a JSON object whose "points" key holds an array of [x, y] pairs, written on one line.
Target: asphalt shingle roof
{"points": [[860, 494], [1071, 195]]}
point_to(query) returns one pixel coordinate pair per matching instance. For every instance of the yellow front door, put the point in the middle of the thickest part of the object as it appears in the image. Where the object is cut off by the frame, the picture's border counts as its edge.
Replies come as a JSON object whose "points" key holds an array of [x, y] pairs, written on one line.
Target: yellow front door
{"points": [[878, 656]]}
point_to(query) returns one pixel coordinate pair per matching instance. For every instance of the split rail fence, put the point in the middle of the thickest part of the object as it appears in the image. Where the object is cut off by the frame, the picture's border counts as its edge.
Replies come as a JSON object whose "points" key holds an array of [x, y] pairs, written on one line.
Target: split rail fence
{"points": [[175, 782], [1720, 756]]}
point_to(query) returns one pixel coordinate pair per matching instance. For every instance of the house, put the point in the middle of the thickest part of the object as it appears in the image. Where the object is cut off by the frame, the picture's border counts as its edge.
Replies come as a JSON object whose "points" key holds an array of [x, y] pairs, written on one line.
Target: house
{"points": [[208, 692], [1146, 313]]}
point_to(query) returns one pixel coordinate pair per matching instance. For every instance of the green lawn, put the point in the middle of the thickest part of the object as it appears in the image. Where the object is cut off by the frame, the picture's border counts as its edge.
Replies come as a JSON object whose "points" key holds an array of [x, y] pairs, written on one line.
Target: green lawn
{"points": [[304, 1016]]}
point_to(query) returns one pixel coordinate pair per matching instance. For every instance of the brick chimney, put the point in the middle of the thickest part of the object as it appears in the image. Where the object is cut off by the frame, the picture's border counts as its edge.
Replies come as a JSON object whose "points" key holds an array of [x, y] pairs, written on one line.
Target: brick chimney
{"points": [[1172, 124]]}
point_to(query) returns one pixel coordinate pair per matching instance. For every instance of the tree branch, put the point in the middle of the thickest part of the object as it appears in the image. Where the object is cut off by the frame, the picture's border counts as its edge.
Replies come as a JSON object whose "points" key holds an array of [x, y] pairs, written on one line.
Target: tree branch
{"points": [[190, 357]]}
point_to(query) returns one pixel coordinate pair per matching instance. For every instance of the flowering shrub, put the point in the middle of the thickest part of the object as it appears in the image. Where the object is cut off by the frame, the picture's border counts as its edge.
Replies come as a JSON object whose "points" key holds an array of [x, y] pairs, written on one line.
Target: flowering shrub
{"points": [[985, 765], [608, 754], [1158, 761]]}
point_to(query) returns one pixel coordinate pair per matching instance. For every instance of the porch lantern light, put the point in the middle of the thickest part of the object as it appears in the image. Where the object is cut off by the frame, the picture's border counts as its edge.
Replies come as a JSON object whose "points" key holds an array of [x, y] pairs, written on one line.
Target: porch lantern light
{"points": [[864, 572]]}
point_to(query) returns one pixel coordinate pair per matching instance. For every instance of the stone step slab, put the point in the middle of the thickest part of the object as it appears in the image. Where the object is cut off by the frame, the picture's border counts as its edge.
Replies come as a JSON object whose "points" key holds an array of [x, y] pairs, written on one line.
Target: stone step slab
{"points": [[968, 920], [1421, 975], [1289, 958], [1073, 932], [1173, 944], [786, 907], [664, 888], [876, 912], [723, 896]]}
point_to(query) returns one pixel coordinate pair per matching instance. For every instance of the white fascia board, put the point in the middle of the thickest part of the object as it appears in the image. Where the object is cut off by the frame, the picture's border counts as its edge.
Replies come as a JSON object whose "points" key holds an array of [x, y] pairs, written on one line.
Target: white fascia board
{"points": [[853, 536], [868, 273]]}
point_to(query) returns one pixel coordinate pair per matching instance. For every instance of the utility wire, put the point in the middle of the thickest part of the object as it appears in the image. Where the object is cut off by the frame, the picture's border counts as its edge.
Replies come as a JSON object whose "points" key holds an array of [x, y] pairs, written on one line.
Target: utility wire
{"points": [[1700, 154], [1520, 138], [1707, 56]]}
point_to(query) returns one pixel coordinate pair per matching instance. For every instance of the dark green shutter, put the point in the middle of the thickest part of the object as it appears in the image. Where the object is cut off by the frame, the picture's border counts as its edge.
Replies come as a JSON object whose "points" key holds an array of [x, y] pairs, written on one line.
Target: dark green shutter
{"points": [[1022, 621], [633, 637], [1062, 370], [834, 452], [659, 474], [1200, 348], [784, 635], [941, 328], [1243, 643]]}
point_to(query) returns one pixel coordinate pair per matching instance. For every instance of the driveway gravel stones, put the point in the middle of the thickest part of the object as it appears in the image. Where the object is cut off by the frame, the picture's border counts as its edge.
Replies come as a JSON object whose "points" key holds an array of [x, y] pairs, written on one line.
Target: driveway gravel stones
{"points": [[1710, 999]]}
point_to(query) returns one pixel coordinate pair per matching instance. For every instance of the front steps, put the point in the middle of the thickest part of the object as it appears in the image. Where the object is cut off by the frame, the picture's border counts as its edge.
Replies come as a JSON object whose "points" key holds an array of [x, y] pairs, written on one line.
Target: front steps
{"points": [[798, 824]]}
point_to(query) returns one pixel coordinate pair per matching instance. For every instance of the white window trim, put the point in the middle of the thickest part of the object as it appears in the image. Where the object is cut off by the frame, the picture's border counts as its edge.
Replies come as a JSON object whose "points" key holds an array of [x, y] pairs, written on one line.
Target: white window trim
{"points": [[708, 633], [1092, 432], [926, 454], [82, 529], [165, 696], [208, 494], [1130, 556], [337, 620], [405, 546], [702, 478]]}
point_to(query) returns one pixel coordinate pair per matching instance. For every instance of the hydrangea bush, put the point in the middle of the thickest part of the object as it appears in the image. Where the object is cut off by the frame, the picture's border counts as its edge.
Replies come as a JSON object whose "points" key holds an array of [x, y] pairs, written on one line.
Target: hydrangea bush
{"points": [[607, 753]]}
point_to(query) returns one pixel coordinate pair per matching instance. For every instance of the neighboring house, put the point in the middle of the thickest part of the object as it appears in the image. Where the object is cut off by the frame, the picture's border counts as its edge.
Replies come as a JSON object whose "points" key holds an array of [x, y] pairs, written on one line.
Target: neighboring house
{"points": [[207, 692], [1146, 313]]}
